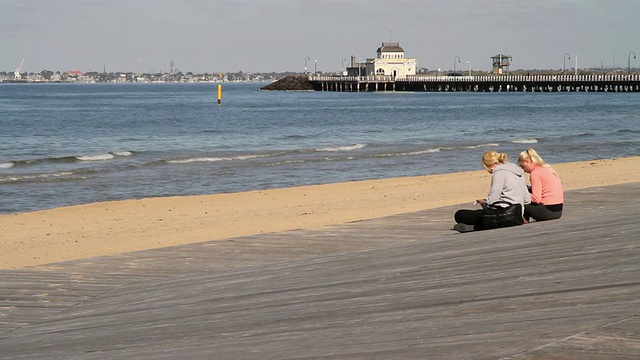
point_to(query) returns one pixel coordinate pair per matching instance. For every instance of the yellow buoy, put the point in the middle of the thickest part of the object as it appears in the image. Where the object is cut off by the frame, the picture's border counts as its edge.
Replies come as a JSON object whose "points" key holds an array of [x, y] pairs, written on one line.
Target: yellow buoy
{"points": [[219, 94]]}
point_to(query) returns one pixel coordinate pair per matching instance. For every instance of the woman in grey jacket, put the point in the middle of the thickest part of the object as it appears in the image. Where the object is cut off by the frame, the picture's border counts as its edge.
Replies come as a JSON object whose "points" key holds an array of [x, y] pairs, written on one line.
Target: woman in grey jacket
{"points": [[507, 184]]}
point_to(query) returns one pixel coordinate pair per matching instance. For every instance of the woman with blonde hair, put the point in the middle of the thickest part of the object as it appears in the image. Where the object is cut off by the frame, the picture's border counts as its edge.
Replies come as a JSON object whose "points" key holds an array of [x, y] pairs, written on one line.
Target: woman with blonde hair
{"points": [[507, 184], [547, 196]]}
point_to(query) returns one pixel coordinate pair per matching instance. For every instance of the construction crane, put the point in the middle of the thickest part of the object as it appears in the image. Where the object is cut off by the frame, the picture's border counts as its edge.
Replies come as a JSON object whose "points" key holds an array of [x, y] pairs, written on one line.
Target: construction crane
{"points": [[16, 73]]}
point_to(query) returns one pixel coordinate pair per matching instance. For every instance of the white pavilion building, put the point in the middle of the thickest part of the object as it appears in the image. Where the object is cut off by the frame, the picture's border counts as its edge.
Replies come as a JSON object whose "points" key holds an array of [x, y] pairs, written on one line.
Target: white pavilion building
{"points": [[390, 60]]}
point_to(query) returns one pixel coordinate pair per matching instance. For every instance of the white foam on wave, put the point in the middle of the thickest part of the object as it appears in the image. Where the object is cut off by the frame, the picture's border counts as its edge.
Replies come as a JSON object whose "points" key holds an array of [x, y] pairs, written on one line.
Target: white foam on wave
{"points": [[425, 151], [525, 141], [481, 146], [340, 158], [200, 159], [35, 177], [412, 153], [216, 158], [123, 153], [247, 157], [100, 157], [6, 165], [343, 148]]}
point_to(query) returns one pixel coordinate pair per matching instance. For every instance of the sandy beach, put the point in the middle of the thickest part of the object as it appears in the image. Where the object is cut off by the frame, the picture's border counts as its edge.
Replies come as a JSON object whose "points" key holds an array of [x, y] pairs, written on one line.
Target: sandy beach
{"points": [[83, 231]]}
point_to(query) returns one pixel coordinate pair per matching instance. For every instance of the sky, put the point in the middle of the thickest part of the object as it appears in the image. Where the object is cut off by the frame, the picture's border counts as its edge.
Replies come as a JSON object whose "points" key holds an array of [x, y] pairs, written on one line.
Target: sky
{"points": [[210, 36]]}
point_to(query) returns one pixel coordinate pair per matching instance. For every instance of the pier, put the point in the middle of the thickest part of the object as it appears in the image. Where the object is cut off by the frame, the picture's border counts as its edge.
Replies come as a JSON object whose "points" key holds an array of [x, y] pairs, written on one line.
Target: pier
{"points": [[484, 83]]}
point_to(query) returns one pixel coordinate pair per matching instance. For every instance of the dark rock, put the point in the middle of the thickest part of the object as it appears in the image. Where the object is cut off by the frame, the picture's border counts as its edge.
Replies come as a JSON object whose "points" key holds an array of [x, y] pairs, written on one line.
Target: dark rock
{"points": [[290, 83]]}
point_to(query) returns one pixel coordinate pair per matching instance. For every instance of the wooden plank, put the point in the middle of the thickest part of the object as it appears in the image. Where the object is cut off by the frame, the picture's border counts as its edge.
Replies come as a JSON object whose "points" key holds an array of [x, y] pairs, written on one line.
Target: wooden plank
{"points": [[617, 341], [403, 287]]}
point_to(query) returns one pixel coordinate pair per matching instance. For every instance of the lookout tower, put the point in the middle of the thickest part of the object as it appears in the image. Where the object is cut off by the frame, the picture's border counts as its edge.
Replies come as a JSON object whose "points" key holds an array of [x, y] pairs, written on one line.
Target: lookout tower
{"points": [[499, 62]]}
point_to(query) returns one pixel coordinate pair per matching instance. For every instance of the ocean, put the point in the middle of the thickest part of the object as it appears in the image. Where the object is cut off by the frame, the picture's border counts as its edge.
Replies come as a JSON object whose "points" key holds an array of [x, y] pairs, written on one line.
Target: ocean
{"points": [[67, 144]]}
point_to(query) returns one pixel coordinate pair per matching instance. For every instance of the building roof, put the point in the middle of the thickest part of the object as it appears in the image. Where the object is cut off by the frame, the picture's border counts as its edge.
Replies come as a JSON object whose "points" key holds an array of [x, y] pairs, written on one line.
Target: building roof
{"points": [[390, 47]]}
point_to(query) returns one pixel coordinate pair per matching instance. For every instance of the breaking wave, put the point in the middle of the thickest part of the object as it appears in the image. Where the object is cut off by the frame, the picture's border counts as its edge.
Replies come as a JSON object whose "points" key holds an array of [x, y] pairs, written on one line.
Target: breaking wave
{"points": [[525, 141], [218, 158], [47, 177], [343, 148], [100, 157], [68, 159]]}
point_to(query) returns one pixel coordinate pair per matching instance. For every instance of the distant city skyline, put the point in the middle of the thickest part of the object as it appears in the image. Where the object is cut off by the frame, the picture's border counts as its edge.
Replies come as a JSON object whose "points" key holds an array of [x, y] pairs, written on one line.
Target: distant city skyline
{"points": [[284, 35]]}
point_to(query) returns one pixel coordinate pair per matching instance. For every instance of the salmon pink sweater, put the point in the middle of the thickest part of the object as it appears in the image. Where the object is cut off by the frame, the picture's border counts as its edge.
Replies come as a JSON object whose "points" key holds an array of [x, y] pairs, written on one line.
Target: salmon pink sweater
{"points": [[546, 187]]}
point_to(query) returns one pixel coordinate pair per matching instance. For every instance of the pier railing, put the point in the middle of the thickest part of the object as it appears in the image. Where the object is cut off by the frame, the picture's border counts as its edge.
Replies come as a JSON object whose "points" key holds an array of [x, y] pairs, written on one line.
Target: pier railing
{"points": [[492, 83], [500, 78], [368, 78], [514, 78]]}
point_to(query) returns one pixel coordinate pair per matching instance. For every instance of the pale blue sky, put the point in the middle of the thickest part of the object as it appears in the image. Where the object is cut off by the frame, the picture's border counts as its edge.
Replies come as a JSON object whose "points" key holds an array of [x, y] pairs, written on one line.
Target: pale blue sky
{"points": [[278, 35]]}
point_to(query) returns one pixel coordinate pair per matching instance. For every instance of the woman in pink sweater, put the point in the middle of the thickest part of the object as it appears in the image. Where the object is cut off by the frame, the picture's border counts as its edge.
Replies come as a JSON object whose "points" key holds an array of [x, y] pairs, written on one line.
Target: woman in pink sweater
{"points": [[547, 195]]}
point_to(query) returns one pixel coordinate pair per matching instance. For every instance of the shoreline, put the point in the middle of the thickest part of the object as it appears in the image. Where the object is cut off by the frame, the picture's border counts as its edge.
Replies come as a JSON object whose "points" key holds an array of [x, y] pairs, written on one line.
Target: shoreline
{"points": [[112, 227]]}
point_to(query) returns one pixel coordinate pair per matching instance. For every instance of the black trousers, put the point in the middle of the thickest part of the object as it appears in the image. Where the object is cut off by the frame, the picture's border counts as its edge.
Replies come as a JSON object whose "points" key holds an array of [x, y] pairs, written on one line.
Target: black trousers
{"points": [[469, 217], [472, 217], [540, 212]]}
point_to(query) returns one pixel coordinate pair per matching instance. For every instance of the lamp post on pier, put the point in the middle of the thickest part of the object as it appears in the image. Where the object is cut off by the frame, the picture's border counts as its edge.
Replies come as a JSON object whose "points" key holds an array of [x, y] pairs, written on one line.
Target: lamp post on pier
{"points": [[305, 64], [315, 69], [454, 62], [469, 63], [564, 59], [629, 60]]}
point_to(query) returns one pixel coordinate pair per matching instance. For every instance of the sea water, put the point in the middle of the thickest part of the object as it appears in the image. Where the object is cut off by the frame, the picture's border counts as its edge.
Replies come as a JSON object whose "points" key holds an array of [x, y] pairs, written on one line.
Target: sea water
{"points": [[66, 144]]}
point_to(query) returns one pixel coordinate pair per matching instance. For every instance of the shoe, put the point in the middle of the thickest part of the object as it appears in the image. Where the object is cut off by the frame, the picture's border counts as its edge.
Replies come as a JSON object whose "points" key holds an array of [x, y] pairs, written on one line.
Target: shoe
{"points": [[460, 227]]}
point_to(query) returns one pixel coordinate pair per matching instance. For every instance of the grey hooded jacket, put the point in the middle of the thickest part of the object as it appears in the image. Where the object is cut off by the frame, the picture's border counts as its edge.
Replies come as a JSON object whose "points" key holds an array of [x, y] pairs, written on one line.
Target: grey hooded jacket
{"points": [[508, 184]]}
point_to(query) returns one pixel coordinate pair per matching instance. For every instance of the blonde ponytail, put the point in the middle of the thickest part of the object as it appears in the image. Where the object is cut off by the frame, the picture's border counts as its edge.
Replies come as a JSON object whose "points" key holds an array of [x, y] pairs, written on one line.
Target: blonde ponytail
{"points": [[531, 154], [491, 157]]}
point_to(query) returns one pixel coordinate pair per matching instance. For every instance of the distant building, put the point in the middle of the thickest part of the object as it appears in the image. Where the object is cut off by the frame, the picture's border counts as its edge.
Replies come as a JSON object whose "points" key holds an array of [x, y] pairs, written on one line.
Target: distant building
{"points": [[390, 61], [499, 62]]}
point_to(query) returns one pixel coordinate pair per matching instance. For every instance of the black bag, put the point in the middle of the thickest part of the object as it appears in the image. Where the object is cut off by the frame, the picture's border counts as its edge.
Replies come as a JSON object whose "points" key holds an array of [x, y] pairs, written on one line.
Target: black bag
{"points": [[501, 214]]}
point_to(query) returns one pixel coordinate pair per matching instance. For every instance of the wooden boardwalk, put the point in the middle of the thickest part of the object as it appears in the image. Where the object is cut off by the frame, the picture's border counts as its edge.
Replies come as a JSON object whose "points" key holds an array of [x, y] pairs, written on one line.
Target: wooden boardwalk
{"points": [[401, 287]]}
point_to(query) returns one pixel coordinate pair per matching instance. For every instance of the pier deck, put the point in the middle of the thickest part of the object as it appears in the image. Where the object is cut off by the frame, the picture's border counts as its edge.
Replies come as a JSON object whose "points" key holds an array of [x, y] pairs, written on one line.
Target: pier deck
{"points": [[487, 83], [401, 287]]}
